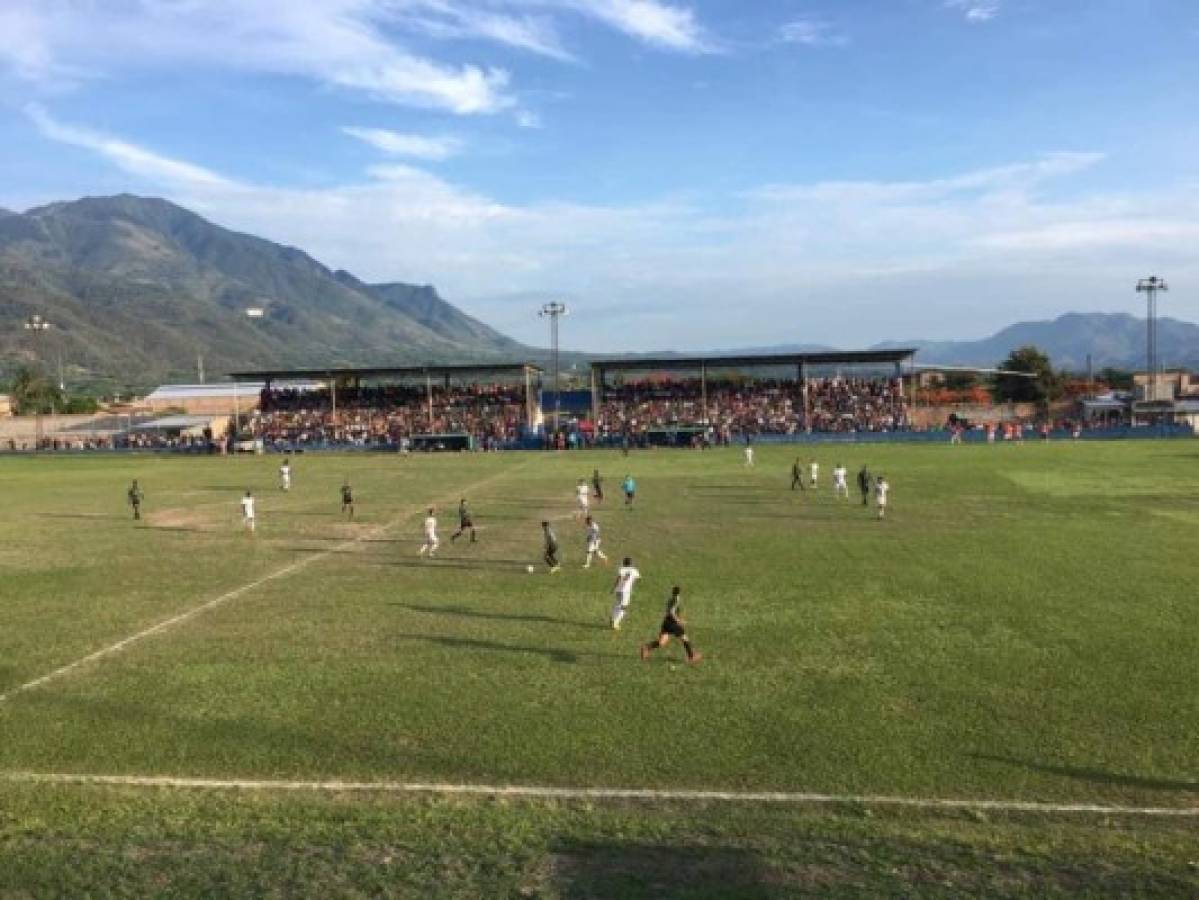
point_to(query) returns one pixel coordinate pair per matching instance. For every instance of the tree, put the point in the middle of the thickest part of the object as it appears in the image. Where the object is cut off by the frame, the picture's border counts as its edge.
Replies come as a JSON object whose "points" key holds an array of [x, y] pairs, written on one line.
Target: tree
{"points": [[1045, 386], [1116, 379], [34, 393], [960, 381]]}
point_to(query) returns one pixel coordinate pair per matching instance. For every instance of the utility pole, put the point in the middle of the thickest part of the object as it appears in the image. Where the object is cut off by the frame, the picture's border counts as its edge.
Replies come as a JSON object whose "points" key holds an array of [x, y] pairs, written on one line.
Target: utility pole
{"points": [[1150, 287], [554, 311]]}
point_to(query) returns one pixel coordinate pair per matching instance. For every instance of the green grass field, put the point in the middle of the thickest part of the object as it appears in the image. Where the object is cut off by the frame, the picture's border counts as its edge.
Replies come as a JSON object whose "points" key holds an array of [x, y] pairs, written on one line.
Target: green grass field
{"points": [[1021, 627]]}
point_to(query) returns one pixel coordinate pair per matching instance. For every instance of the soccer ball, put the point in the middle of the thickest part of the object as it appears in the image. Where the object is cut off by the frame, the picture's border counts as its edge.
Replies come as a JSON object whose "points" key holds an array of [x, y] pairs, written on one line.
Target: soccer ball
{"points": [[529, 569]]}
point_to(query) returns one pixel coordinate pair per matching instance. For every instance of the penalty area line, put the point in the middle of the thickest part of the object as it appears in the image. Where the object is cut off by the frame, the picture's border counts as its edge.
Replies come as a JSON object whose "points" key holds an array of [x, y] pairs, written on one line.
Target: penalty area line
{"points": [[536, 792], [204, 607]]}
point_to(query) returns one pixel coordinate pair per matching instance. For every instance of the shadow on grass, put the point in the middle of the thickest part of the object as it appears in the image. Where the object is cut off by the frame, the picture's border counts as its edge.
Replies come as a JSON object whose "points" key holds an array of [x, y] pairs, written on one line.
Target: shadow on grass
{"points": [[187, 529], [631, 870], [478, 565], [87, 516], [1097, 776], [495, 616], [193, 735], [568, 657]]}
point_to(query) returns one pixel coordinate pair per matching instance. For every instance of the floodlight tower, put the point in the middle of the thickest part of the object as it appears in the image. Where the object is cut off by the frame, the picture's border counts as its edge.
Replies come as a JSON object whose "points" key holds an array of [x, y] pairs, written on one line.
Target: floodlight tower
{"points": [[37, 326], [555, 311], [1150, 287]]}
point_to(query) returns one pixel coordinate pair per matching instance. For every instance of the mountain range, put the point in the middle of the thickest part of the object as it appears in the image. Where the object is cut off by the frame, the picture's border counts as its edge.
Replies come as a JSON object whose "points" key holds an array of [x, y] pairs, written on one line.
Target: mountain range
{"points": [[1111, 339], [138, 288]]}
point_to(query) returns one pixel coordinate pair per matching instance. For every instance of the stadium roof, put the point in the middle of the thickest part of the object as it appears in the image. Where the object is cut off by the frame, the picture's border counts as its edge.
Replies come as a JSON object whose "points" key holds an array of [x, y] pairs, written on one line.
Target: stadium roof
{"points": [[175, 423], [166, 392], [820, 358], [516, 368]]}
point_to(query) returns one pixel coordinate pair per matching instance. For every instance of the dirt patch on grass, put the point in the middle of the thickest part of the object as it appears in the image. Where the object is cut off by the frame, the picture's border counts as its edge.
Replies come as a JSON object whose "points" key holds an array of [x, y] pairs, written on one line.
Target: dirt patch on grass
{"points": [[182, 518]]}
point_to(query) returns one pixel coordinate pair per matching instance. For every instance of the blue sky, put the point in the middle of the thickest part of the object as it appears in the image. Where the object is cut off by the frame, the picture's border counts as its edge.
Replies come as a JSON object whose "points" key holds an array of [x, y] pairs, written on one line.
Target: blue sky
{"points": [[714, 173]]}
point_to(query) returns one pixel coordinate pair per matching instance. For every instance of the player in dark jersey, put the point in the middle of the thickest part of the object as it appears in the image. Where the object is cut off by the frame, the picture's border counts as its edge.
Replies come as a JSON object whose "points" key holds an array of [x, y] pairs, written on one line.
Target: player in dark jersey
{"points": [[597, 486], [797, 475], [672, 626], [465, 522], [864, 485], [551, 548], [135, 499], [347, 500]]}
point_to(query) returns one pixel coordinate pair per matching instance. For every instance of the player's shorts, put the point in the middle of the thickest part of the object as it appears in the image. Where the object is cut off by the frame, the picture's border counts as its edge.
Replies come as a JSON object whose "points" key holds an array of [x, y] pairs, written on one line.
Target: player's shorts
{"points": [[466, 523], [672, 628], [593, 546]]}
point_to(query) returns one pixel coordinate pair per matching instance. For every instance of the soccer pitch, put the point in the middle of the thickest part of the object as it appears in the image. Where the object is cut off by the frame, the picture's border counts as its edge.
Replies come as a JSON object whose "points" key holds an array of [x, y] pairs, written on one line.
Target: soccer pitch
{"points": [[1021, 627]]}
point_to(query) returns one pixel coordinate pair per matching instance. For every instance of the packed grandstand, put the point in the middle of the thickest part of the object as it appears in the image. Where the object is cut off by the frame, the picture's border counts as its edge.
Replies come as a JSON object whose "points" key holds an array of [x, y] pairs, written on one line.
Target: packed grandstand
{"points": [[630, 401]]}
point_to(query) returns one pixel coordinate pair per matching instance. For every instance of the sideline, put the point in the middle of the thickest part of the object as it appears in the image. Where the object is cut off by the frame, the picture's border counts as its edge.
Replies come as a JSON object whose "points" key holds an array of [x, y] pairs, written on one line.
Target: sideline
{"points": [[594, 793], [282, 572]]}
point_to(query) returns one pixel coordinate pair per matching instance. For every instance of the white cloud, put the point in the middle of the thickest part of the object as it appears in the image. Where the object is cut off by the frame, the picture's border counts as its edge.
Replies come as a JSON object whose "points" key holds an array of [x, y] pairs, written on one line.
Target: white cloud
{"points": [[528, 119], [849, 262], [446, 19], [414, 145], [653, 22], [349, 44], [337, 42], [129, 157], [812, 33], [976, 10]]}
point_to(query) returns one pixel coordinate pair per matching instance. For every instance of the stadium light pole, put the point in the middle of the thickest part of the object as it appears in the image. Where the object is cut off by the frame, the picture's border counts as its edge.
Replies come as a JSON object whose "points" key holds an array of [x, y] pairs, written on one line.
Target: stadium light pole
{"points": [[555, 311], [1150, 287], [37, 326], [252, 314]]}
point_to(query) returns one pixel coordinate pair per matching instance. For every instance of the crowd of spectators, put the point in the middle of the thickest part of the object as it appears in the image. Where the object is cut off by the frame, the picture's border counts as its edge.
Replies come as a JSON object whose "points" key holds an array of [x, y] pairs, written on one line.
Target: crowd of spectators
{"points": [[133, 440], [756, 407], [390, 415]]}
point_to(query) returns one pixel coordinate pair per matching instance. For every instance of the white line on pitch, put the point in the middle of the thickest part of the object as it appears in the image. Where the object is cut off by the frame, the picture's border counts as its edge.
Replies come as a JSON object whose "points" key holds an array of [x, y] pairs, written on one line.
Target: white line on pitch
{"points": [[223, 598], [537, 792]]}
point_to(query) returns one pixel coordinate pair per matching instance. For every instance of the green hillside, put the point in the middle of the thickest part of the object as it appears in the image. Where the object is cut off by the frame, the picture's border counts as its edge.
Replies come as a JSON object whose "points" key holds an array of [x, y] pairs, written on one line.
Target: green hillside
{"points": [[138, 288]]}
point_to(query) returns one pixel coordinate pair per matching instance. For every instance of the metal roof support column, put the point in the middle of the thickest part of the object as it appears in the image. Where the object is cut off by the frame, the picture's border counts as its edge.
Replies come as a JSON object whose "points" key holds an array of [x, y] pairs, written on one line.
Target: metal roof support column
{"points": [[803, 390], [595, 400]]}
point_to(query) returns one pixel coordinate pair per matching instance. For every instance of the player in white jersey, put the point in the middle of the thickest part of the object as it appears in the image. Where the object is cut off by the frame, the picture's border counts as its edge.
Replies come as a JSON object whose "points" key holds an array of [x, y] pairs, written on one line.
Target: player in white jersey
{"points": [[840, 486], [626, 577], [881, 489], [813, 473], [749, 456], [431, 543], [247, 512], [583, 499], [593, 543], [285, 475]]}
